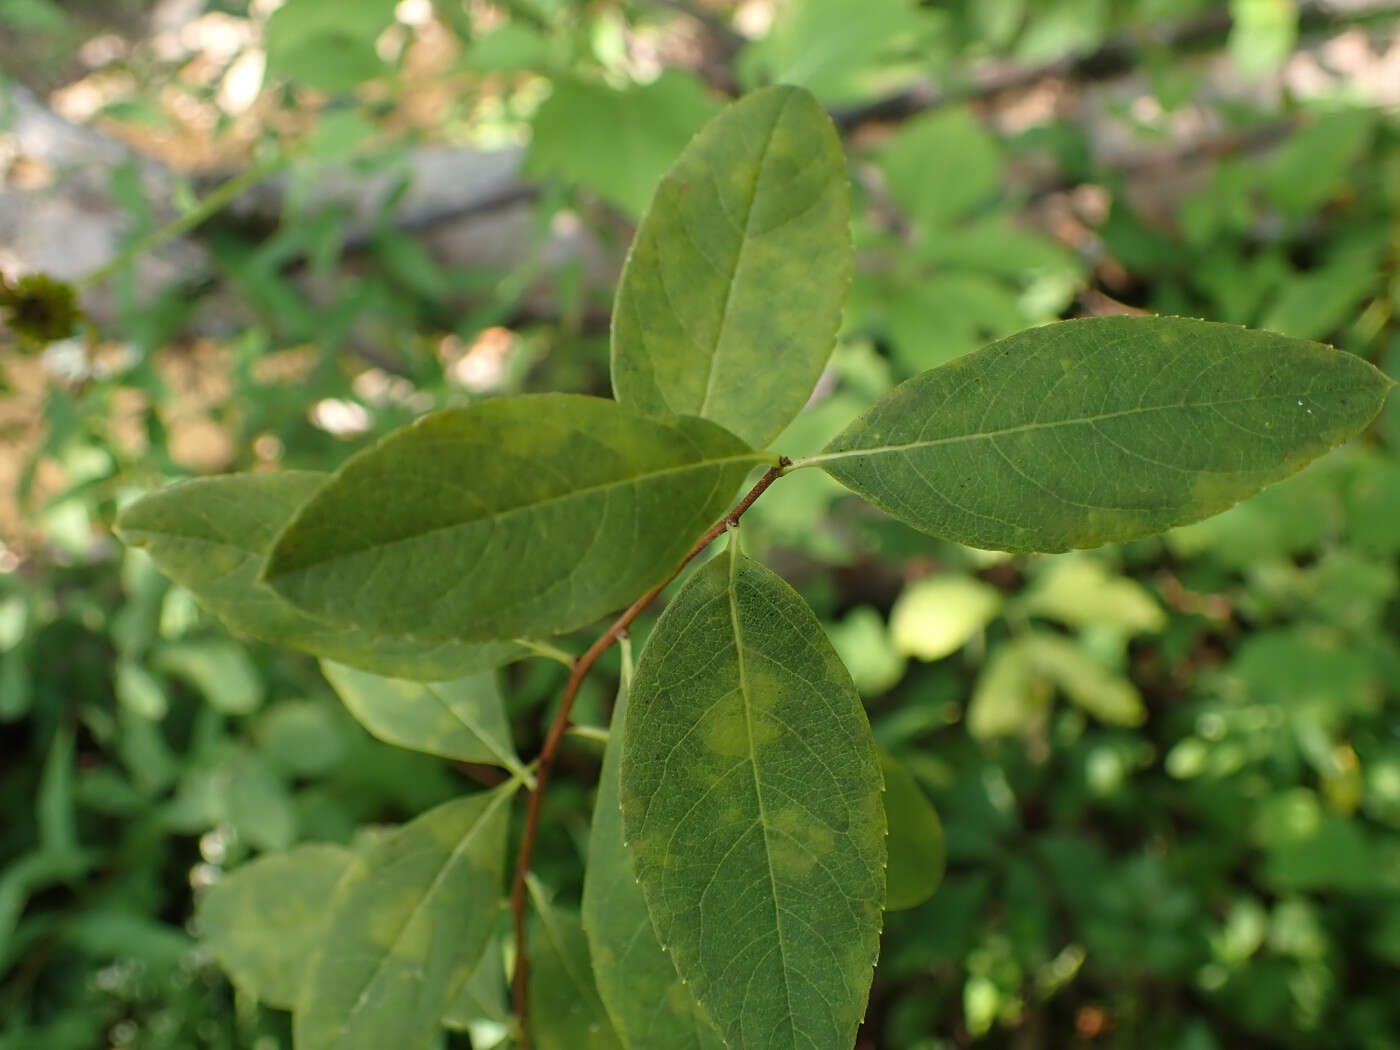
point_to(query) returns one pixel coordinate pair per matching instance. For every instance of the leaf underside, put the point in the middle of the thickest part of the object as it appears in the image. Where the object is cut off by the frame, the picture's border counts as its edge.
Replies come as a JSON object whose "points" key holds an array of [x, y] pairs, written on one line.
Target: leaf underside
{"points": [[730, 299], [460, 718], [212, 535], [513, 517], [1086, 432], [751, 799]]}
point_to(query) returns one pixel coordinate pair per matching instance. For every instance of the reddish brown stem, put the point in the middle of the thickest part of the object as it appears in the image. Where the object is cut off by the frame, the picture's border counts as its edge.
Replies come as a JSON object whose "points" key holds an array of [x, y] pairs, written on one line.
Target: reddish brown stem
{"points": [[581, 666]]}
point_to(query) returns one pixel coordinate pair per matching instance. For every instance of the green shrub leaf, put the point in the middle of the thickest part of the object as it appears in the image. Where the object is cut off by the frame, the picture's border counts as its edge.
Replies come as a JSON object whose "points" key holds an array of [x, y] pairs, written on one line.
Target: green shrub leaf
{"points": [[916, 850], [751, 800], [521, 515], [406, 926], [565, 1011], [212, 536], [730, 300], [1086, 432], [263, 920], [461, 718], [637, 982]]}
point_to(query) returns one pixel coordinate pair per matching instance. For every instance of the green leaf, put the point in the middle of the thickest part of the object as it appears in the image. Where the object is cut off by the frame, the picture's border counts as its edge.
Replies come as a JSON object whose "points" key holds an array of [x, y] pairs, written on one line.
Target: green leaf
{"points": [[565, 1011], [219, 669], [932, 191], [327, 45], [406, 926], [1087, 683], [482, 1002], [1080, 591], [916, 851], [644, 127], [534, 514], [1317, 162], [1008, 698], [1086, 432], [819, 45], [751, 801], [1263, 34], [707, 322], [212, 535], [263, 920], [934, 618], [637, 982], [462, 718]]}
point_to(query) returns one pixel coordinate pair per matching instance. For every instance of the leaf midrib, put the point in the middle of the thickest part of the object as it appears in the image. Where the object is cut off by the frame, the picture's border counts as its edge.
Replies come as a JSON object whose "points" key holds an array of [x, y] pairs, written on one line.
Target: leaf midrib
{"points": [[734, 556], [744, 243], [755, 457], [987, 435]]}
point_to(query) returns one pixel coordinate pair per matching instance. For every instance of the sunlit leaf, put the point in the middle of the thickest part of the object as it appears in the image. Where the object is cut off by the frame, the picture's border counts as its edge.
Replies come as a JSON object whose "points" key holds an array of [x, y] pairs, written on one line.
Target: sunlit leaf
{"points": [[1085, 432], [706, 321], [751, 801], [1106, 696], [1080, 591], [513, 516], [1007, 698], [406, 926], [935, 617]]}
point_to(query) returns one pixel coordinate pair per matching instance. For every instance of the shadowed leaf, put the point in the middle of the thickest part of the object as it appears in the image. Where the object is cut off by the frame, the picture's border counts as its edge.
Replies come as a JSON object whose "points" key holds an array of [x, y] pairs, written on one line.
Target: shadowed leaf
{"points": [[916, 850], [565, 1011], [212, 535]]}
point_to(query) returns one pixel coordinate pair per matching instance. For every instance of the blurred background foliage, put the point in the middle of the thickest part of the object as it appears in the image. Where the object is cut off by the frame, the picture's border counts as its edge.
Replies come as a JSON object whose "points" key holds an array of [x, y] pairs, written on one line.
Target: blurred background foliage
{"points": [[1169, 772]]}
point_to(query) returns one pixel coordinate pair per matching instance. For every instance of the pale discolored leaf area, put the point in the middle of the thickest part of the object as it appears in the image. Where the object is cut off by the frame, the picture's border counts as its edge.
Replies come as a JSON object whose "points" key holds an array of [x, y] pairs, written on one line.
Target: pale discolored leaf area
{"points": [[407, 925], [751, 801], [1081, 433], [637, 982], [916, 848], [937, 616], [1080, 592], [515, 516], [263, 920], [565, 1011], [731, 296], [1087, 683], [212, 536], [461, 718]]}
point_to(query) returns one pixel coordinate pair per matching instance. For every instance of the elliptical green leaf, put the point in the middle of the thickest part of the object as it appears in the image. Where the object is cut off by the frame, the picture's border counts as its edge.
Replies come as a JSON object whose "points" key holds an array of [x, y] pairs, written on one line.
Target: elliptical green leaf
{"points": [[731, 296], [515, 516], [1086, 432], [751, 800]]}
